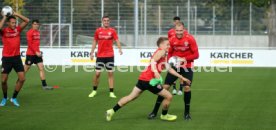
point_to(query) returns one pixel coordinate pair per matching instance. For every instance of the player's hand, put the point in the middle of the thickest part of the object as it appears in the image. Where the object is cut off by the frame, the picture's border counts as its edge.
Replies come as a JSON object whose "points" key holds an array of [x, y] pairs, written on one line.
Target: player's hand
{"points": [[38, 54], [156, 75], [186, 80], [15, 14], [92, 56], [120, 51]]}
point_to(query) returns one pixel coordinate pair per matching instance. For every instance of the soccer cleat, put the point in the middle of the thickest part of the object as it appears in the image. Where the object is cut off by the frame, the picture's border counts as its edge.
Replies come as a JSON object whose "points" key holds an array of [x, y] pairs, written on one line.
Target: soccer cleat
{"points": [[187, 117], [92, 94], [47, 87], [3, 102], [174, 92], [14, 101], [168, 117], [109, 114], [151, 116], [112, 95], [179, 92]]}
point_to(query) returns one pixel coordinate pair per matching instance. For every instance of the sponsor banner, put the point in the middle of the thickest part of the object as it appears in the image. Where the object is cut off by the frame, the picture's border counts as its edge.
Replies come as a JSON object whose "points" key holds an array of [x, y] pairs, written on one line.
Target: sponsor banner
{"points": [[141, 57]]}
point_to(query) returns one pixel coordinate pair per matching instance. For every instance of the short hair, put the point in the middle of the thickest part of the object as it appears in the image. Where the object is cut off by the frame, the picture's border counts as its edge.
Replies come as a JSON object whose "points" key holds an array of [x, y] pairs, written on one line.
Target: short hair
{"points": [[176, 18], [106, 16], [179, 24], [182, 24], [35, 21], [160, 40], [10, 17]]}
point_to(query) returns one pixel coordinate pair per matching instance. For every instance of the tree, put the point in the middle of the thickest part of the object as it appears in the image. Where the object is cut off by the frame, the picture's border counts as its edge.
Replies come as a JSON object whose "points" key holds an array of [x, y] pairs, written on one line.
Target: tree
{"points": [[16, 3], [271, 16]]}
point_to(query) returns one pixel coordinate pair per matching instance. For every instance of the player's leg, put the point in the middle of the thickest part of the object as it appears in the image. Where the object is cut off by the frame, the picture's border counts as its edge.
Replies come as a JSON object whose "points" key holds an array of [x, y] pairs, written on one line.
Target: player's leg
{"points": [[109, 65], [26, 68], [19, 69], [28, 63], [6, 69], [181, 85], [123, 101], [174, 91], [40, 67], [111, 84], [170, 79], [4, 78], [96, 78], [187, 93], [19, 83], [166, 103]]}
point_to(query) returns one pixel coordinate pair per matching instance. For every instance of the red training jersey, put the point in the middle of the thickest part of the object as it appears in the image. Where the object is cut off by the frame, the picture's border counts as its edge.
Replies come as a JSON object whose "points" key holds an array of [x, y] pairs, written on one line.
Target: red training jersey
{"points": [[105, 38], [171, 33], [148, 74], [184, 47], [33, 38], [11, 41]]}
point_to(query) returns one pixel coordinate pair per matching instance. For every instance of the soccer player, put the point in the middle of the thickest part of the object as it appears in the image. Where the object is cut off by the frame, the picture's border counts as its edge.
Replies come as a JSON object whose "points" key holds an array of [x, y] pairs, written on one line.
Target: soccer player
{"points": [[171, 33], [11, 55], [157, 64], [34, 56], [183, 46], [104, 37]]}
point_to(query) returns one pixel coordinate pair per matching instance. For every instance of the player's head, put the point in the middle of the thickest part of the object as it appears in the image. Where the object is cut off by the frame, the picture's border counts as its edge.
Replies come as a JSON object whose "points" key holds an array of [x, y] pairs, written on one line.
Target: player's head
{"points": [[176, 20], [179, 30], [35, 24], [11, 21], [106, 21], [163, 43]]}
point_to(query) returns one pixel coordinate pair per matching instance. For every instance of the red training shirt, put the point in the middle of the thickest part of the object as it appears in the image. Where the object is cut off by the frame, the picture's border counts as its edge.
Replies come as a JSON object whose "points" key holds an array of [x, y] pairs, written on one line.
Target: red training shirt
{"points": [[148, 74], [11, 41], [184, 47], [33, 38], [105, 38]]}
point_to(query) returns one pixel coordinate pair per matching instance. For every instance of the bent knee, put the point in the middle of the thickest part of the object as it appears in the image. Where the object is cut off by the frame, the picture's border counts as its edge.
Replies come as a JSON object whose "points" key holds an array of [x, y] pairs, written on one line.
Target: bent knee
{"points": [[187, 88]]}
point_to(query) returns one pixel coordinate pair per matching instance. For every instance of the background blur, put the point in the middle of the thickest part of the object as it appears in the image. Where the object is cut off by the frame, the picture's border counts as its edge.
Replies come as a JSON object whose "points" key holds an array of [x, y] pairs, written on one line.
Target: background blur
{"points": [[214, 23]]}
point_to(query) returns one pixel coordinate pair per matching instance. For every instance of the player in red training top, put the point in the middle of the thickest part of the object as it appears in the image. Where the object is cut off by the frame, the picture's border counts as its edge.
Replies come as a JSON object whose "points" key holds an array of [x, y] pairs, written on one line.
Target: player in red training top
{"points": [[185, 48], [171, 33], [11, 54], [104, 37], [157, 64], [34, 55]]}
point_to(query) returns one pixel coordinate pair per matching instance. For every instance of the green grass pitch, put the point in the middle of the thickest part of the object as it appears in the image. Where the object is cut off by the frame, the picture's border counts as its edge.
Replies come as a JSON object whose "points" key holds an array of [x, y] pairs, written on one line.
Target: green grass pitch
{"points": [[244, 99]]}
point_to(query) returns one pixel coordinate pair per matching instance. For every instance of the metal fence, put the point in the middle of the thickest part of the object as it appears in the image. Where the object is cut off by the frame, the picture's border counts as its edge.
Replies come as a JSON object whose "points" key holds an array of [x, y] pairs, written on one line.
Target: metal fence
{"points": [[140, 22]]}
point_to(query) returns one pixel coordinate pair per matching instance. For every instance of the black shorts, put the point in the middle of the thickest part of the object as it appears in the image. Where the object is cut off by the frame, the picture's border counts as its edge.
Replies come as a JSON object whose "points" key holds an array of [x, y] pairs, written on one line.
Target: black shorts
{"points": [[185, 72], [144, 85], [107, 62], [9, 63], [33, 59]]}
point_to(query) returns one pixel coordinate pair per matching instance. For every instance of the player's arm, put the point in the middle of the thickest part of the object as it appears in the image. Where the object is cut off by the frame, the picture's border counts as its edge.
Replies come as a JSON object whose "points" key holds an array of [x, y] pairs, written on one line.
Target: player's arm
{"points": [[154, 60], [94, 44], [23, 18], [194, 49], [2, 22], [115, 37], [170, 49], [119, 46], [173, 72]]}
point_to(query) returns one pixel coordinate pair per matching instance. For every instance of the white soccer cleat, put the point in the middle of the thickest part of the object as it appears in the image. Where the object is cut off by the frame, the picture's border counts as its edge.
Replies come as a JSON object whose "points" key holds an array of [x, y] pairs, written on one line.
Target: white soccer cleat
{"points": [[92, 94], [112, 95], [109, 114], [174, 92], [179, 92]]}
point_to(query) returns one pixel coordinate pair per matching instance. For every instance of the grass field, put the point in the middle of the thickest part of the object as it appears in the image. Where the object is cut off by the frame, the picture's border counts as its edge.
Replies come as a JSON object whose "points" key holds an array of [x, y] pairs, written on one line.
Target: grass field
{"points": [[244, 99]]}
